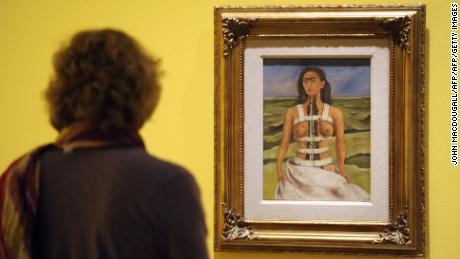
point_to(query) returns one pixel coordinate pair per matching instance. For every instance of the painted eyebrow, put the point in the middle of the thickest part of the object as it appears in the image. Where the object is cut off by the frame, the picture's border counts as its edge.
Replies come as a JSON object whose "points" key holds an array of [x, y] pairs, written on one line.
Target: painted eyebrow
{"points": [[309, 78]]}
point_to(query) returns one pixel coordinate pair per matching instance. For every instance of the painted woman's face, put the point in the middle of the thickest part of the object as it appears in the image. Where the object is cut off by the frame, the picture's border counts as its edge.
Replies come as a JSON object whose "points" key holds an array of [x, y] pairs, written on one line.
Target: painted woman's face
{"points": [[312, 83]]}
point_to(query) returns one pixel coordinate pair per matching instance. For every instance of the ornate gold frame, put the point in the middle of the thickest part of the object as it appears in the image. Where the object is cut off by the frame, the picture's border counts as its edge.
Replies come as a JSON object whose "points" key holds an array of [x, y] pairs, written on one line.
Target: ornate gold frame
{"points": [[404, 234]]}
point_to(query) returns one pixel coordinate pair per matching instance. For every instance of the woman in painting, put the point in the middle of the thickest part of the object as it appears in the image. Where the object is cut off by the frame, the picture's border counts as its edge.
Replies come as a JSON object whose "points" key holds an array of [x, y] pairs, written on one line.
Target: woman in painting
{"points": [[310, 174]]}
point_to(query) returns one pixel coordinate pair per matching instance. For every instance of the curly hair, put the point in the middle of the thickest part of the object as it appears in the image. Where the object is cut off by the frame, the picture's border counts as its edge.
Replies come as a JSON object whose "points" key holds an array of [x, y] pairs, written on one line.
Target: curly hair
{"points": [[103, 78]]}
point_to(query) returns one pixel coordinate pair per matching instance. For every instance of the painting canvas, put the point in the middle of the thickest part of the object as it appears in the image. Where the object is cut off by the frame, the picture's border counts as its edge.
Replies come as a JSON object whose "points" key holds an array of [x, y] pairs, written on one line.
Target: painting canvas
{"points": [[330, 157], [349, 80]]}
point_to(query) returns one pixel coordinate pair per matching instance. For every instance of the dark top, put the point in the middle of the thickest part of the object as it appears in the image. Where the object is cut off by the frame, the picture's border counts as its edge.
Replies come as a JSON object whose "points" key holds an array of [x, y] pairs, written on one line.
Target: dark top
{"points": [[117, 203]]}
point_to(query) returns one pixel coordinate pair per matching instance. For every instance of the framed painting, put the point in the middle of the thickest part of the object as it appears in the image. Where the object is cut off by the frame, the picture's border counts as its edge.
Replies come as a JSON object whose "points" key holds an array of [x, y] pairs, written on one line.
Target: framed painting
{"points": [[319, 129]]}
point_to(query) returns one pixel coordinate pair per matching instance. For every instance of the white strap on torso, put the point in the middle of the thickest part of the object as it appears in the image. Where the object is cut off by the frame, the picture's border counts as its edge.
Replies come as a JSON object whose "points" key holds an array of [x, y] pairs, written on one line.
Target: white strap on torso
{"points": [[310, 139], [318, 163], [300, 114], [312, 150], [324, 116]]}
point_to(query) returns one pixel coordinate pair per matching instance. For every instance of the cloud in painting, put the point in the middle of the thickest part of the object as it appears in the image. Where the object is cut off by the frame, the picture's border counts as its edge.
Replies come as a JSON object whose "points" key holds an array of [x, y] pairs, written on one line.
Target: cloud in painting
{"points": [[349, 81], [280, 81]]}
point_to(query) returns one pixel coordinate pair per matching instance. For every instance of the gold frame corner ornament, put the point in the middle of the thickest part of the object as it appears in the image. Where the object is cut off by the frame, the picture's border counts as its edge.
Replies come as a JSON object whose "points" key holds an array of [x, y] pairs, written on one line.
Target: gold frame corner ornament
{"points": [[400, 28], [233, 30], [235, 227], [398, 232]]}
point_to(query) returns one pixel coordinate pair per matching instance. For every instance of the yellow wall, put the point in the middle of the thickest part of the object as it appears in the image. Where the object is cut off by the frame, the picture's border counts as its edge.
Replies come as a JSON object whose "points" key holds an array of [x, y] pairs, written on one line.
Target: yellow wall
{"points": [[181, 33]]}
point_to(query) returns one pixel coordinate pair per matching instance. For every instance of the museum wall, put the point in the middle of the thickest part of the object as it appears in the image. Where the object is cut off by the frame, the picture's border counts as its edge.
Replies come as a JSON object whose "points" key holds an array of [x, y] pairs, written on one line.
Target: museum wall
{"points": [[181, 34]]}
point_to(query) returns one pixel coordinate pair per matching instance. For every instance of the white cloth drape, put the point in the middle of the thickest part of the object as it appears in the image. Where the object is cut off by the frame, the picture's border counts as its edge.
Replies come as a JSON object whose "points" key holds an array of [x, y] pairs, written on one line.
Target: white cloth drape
{"points": [[315, 184]]}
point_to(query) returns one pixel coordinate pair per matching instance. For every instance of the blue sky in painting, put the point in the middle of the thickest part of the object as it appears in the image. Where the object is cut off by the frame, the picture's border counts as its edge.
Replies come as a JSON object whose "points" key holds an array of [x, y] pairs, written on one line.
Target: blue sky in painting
{"points": [[347, 78]]}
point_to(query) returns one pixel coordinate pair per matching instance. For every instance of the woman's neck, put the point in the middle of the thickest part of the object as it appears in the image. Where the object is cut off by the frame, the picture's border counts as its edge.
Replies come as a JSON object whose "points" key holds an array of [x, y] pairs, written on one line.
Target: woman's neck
{"points": [[317, 101]]}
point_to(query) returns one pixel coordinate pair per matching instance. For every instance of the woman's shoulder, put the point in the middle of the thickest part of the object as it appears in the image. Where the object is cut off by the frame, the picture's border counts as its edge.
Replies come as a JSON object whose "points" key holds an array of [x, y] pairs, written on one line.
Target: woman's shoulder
{"points": [[291, 113], [293, 110]]}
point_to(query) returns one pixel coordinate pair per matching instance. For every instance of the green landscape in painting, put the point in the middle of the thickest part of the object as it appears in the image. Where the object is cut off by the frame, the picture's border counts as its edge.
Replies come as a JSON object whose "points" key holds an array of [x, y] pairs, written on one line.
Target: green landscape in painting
{"points": [[357, 117]]}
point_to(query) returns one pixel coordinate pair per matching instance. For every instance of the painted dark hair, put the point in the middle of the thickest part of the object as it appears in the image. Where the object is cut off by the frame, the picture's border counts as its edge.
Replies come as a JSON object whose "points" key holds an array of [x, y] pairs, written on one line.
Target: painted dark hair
{"points": [[326, 96]]}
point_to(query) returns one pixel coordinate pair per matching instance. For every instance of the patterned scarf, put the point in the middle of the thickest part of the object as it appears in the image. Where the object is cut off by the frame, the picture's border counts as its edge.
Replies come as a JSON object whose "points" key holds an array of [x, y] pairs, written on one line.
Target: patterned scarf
{"points": [[19, 186]]}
